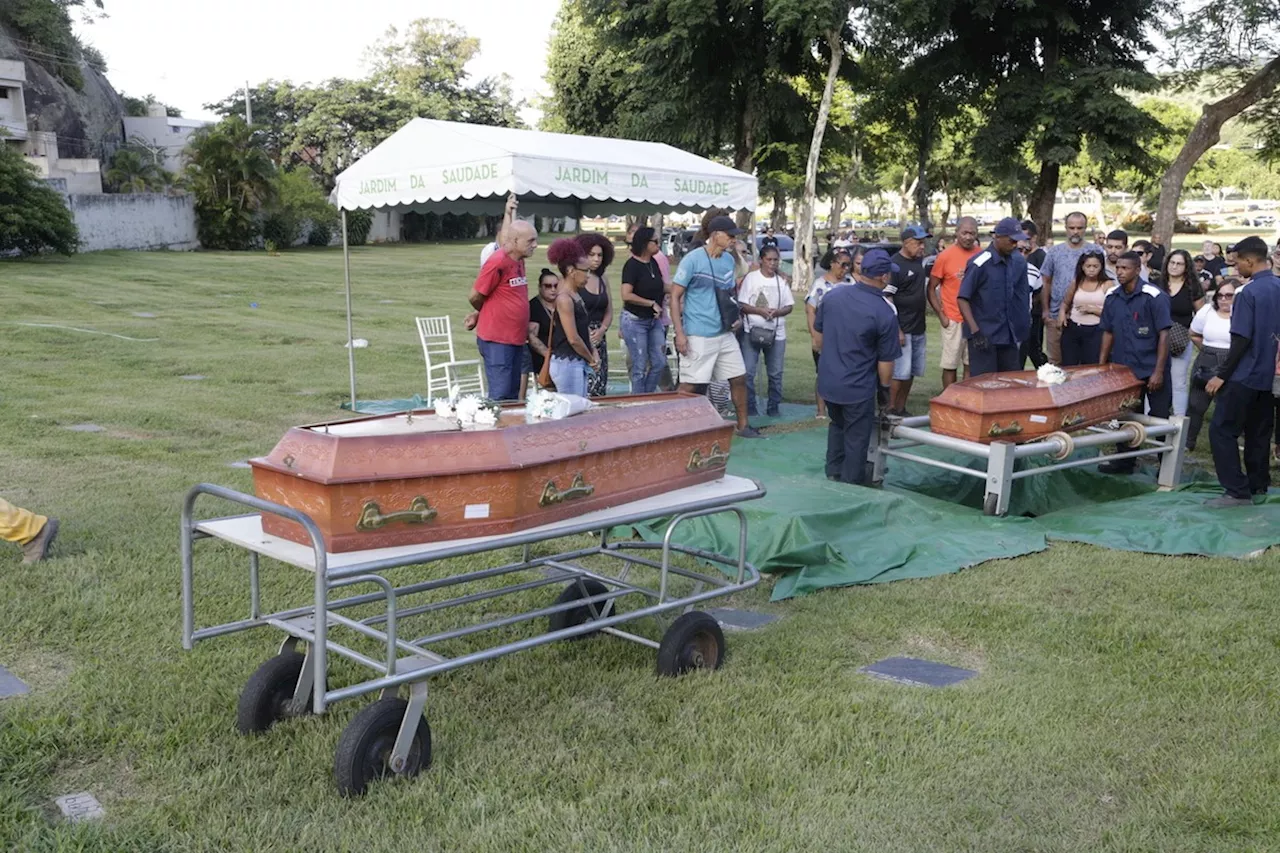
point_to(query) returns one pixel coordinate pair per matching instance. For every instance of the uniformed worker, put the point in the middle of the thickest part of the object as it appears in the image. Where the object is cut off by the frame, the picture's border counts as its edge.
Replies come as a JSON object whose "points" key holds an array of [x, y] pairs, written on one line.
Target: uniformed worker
{"points": [[859, 345], [1245, 405], [995, 300], [1135, 332]]}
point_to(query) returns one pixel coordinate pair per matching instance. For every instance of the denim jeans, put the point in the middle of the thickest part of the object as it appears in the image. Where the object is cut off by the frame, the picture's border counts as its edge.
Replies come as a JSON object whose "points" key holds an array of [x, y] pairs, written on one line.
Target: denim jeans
{"points": [[570, 375], [773, 357], [1180, 371], [646, 343], [502, 363]]}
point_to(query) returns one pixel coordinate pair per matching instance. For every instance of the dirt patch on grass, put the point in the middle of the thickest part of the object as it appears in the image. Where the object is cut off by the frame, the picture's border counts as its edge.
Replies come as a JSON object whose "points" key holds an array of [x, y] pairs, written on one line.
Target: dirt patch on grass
{"points": [[945, 649], [42, 670], [112, 781]]}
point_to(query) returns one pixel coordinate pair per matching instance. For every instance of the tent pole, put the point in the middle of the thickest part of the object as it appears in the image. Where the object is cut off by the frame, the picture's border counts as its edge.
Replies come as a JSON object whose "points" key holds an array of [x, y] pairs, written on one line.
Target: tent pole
{"points": [[351, 349]]}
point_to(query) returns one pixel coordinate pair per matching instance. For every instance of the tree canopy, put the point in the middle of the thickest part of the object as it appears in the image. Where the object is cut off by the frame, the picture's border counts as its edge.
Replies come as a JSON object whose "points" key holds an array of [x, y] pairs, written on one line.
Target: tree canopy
{"points": [[33, 217]]}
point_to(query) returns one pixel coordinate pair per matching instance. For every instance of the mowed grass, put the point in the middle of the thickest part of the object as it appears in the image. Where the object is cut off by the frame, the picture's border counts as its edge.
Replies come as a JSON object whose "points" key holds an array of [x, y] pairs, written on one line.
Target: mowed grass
{"points": [[1125, 702]]}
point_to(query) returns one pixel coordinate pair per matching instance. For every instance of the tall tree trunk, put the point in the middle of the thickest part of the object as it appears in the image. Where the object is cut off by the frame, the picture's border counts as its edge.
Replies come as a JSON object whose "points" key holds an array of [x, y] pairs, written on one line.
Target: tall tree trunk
{"points": [[778, 219], [804, 229], [1204, 136], [925, 139], [837, 201], [1099, 210], [906, 193], [1040, 203]]}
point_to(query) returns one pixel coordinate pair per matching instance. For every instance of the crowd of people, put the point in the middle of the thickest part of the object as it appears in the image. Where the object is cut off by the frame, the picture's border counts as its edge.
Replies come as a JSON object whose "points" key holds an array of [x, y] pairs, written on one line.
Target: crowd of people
{"points": [[1192, 329]]}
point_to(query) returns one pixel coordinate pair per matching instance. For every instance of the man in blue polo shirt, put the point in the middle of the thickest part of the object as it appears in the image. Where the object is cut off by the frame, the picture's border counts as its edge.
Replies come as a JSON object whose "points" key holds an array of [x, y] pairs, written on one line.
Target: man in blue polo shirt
{"points": [[859, 344], [995, 301], [1135, 332], [1245, 405]]}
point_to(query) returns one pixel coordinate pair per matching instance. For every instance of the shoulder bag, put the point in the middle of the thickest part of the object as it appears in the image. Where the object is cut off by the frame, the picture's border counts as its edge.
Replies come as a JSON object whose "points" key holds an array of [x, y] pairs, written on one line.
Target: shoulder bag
{"points": [[1179, 339], [544, 375], [762, 337]]}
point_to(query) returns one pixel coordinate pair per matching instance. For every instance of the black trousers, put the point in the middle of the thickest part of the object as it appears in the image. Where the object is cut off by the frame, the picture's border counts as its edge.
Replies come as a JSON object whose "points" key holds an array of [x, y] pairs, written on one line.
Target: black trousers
{"points": [[995, 359], [1033, 346], [849, 439], [1081, 344], [1161, 405], [1198, 399], [1242, 411]]}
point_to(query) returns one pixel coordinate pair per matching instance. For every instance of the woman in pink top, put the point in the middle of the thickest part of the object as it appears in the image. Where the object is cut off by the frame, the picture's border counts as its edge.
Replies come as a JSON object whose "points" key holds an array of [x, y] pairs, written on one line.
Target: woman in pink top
{"points": [[1081, 311]]}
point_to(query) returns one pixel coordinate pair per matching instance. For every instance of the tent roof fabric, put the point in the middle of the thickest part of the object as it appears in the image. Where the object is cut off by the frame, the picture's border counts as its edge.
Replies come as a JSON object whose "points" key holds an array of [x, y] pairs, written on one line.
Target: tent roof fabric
{"points": [[429, 161]]}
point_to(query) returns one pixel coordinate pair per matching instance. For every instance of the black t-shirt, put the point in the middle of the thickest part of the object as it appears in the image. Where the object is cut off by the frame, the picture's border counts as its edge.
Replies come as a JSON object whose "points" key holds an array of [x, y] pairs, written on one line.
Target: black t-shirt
{"points": [[912, 295], [646, 282], [560, 345], [538, 314], [1182, 305], [1215, 265], [1036, 258], [766, 240], [597, 303]]}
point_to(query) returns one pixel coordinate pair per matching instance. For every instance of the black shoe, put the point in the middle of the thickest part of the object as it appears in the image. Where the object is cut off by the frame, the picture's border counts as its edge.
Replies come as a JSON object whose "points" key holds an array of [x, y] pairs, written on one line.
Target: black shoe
{"points": [[1227, 501], [773, 413], [1116, 468], [748, 432]]}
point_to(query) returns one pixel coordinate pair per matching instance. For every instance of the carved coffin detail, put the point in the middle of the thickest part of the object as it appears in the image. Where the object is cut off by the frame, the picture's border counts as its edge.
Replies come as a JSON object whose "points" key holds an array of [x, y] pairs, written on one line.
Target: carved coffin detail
{"points": [[391, 480], [1017, 407]]}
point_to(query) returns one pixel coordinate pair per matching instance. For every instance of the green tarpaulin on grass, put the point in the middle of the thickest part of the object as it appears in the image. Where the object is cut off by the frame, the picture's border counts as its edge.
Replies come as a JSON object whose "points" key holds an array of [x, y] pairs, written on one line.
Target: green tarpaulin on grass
{"points": [[814, 533]]}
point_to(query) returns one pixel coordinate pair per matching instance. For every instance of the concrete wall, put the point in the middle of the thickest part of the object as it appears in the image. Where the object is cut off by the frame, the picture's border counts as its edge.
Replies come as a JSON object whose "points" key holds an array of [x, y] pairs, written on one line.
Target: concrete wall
{"points": [[135, 221]]}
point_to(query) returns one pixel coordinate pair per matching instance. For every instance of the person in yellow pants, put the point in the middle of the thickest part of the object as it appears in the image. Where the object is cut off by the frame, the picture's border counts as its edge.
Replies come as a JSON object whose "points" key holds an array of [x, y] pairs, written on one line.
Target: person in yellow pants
{"points": [[34, 533]]}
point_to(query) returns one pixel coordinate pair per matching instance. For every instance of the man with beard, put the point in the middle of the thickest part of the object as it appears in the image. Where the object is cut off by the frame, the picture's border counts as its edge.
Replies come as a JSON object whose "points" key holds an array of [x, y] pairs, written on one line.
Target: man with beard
{"points": [[944, 285], [1117, 244], [910, 297], [1056, 275]]}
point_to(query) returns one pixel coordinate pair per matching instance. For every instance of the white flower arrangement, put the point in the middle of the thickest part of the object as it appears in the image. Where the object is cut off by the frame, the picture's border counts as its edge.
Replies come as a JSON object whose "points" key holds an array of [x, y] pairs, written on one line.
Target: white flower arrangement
{"points": [[548, 405], [471, 410], [1051, 374]]}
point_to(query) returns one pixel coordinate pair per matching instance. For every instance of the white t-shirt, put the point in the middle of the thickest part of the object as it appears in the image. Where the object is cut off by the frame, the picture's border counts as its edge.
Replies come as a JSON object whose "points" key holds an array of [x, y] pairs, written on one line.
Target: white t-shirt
{"points": [[488, 250], [777, 294], [1215, 328]]}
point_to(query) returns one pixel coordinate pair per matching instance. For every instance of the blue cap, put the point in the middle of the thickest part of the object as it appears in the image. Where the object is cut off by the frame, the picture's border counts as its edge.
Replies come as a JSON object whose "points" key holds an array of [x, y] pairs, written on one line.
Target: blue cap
{"points": [[876, 263], [1010, 227], [915, 232]]}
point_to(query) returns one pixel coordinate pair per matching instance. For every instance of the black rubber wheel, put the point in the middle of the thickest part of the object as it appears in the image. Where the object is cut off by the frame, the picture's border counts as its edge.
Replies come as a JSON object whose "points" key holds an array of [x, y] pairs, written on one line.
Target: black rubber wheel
{"points": [[364, 750], [694, 641], [266, 697], [577, 615], [989, 504]]}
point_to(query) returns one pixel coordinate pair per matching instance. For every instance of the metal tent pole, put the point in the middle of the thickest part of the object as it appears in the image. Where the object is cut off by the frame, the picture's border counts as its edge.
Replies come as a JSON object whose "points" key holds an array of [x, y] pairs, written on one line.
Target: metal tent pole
{"points": [[351, 349]]}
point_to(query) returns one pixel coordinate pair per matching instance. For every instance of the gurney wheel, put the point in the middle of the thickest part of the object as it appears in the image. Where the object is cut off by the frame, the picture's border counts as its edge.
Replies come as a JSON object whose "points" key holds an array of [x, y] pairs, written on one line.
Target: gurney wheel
{"points": [[989, 504], [694, 641], [577, 615], [364, 750], [266, 696]]}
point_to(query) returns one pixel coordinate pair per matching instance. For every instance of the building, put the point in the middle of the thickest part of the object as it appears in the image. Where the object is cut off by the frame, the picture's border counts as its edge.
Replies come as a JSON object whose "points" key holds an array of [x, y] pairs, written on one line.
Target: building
{"points": [[13, 107], [68, 175], [165, 137]]}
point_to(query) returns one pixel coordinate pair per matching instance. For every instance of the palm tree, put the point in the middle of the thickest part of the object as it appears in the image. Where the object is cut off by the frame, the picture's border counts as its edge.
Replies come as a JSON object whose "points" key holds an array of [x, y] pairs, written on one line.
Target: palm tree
{"points": [[232, 177], [135, 171]]}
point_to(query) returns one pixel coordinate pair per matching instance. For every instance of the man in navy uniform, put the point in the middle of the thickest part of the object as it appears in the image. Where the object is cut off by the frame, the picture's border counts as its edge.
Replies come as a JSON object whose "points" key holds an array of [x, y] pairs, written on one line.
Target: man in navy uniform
{"points": [[1243, 384], [859, 344], [1135, 332], [995, 301]]}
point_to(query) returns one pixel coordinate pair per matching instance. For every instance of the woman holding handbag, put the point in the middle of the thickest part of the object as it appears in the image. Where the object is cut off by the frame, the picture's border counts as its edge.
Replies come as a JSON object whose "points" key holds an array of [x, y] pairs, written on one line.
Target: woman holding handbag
{"points": [[1186, 298], [765, 299], [541, 309], [572, 356], [1211, 332]]}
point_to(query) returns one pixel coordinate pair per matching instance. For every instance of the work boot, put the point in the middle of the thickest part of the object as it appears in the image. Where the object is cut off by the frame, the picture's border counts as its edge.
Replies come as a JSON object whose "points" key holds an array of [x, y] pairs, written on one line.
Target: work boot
{"points": [[38, 548], [1116, 468], [748, 432], [1227, 501]]}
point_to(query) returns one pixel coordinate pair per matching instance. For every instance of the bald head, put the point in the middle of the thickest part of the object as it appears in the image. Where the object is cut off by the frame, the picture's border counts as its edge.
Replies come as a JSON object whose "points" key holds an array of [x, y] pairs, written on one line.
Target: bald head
{"points": [[967, 232], [522, 239]]}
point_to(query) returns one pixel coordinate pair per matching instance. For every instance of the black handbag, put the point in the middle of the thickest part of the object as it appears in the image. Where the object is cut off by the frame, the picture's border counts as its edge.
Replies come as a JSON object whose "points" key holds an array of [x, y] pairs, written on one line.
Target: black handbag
{"points": [[763, 337], [1179, 339], [730, 313]]}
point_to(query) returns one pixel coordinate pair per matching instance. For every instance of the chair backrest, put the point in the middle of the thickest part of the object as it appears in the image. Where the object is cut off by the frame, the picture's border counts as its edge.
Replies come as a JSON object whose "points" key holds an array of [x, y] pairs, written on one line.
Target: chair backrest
{"points": [[436, 335]]}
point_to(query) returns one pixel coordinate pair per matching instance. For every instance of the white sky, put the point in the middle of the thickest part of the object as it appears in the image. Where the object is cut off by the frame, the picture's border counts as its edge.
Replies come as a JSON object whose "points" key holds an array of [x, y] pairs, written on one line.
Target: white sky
{"points": [[190, 53]]}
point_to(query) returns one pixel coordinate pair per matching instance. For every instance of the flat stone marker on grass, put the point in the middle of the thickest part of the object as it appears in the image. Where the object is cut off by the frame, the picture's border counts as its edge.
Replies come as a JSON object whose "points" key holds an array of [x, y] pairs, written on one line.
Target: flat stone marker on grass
{"points": [[85, 428], [193, 377], [11, 685], [917, 672], [146, 315], [81, 806], [741, 620], [238, 464]]}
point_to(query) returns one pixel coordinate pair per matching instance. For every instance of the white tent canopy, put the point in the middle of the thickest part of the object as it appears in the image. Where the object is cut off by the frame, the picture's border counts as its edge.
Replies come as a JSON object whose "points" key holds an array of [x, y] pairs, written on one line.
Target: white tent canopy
{"points": [[440, 166], [431, 166]]}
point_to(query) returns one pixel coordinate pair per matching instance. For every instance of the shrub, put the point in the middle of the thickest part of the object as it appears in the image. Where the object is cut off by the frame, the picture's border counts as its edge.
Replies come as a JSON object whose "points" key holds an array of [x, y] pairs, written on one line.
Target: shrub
{"points": [[298, 201], [280, 230], [1140, 223], [1186, 226], [320, 234], [359, 223], [233, 181], [33, 217]]}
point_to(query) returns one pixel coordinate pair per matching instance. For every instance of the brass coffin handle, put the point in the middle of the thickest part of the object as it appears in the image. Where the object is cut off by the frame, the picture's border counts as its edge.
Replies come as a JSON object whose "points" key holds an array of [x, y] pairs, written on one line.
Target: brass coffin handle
{"points": [[577, 489], [716, 458], [1077, 418], [1131, 403], [1012, 429], [371, 517]]}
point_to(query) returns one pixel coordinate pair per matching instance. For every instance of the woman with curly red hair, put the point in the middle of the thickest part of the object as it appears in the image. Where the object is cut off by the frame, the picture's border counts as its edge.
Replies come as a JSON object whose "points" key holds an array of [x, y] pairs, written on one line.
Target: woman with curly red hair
{"points": [[571, 354], [595, 295]]}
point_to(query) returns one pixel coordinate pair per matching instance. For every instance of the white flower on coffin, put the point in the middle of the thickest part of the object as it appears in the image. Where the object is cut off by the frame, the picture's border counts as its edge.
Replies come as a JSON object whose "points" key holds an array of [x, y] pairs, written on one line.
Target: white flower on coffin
{"points": [[486, 417], [1051, 374], [466, 409], [444, 409]]}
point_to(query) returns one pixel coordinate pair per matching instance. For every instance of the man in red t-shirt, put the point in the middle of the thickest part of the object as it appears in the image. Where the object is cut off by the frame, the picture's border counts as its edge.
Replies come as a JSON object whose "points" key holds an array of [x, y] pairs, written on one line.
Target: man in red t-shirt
{"points": [[944, 286], [501, 299]]}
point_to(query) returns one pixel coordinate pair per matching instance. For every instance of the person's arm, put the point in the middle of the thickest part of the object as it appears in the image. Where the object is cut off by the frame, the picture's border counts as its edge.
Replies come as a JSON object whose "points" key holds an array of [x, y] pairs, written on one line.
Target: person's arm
{"points": [[815, 333], [1064, 310], [884, 369], [564, 308], [967, 312], [508, 214], [934, 296], [607, 323], [1104, 354], [1156, 381], [1239, 346], [484, 285], [536, 343], [677, 319]]}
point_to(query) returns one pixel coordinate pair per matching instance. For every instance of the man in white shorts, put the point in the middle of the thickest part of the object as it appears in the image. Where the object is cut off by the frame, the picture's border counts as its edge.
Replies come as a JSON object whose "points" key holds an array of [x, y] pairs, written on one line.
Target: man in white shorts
{"points": [[709, 350]]}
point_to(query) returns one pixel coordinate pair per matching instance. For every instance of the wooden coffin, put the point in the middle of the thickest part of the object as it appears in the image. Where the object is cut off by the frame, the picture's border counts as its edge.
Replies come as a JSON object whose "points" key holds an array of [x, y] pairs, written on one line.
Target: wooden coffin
{"points": [[1017, 407], [401, 479]]}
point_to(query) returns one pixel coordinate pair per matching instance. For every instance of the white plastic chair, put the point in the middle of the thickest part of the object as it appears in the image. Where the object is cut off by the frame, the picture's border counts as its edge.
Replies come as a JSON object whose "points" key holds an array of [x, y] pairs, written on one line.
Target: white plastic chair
{"points": [[444, 371]]}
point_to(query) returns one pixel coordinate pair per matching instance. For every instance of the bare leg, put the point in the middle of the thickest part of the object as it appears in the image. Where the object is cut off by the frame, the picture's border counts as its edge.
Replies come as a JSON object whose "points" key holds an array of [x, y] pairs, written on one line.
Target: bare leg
{"points": [[948, 378], [738, 390]]}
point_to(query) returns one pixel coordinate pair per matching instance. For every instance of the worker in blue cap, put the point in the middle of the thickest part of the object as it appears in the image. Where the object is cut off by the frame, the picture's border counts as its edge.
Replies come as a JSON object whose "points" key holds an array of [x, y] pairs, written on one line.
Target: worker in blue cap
{"points": [[995, 301], [859, 345]]}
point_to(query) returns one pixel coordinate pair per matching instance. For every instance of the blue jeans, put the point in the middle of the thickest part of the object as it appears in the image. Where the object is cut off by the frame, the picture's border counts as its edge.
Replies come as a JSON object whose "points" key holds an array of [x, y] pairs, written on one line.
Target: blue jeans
{"points": [[1180, 373], [772, 366], [570, 375], [646, 342], [502, 363]]}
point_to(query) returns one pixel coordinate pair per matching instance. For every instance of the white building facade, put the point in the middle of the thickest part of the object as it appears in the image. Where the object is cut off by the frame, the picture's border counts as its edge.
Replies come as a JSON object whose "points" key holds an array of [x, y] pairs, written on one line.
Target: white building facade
{"points": [[165, 137]]}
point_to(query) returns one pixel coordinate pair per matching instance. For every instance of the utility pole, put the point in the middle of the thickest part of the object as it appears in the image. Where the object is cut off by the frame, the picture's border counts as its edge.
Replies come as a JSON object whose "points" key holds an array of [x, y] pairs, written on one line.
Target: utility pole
{"points": [[248, 107]]}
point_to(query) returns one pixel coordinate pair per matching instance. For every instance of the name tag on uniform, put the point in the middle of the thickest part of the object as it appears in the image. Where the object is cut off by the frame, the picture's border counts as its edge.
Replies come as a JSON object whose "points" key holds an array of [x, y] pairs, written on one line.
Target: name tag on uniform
{"points": [[1144, 330]]}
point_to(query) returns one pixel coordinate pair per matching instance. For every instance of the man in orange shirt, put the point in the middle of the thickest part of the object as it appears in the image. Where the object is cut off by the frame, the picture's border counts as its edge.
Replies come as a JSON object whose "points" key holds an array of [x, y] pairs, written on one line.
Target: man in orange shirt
{"points": [[944, 286]]}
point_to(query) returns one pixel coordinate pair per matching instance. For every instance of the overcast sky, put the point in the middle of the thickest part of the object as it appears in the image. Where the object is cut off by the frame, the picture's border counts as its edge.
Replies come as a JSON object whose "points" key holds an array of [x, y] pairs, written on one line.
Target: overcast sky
{"points": [[189, 54]]}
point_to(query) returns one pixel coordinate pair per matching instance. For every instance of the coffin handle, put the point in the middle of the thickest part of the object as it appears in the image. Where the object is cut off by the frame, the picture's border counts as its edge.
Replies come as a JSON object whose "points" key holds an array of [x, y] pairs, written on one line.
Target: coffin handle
{"points": [[1074, 420], [716, 458], [551, 495], [1012, 429], [371, 517], [1131, 404]]}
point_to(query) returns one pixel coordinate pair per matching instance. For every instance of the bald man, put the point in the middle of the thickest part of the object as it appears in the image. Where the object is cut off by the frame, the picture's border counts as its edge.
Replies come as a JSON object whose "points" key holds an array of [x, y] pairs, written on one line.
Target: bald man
{"points": [[501, 319]]}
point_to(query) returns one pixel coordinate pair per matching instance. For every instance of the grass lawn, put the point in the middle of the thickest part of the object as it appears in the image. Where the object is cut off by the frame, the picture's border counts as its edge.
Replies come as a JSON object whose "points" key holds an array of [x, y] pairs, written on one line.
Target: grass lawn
{"points": [[1125, 702]]}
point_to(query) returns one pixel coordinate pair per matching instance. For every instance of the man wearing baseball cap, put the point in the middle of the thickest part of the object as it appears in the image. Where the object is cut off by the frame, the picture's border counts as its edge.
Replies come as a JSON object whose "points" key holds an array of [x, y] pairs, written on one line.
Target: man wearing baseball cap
{"points": [[910, 288], [995, 300], [1244, 382], [859, 345], [704, 333]]}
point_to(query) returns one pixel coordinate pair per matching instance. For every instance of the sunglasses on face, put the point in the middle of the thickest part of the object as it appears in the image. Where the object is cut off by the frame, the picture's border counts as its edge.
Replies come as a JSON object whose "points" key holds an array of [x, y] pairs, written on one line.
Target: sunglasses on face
{"points": [[583, 269], [1226, 296]]}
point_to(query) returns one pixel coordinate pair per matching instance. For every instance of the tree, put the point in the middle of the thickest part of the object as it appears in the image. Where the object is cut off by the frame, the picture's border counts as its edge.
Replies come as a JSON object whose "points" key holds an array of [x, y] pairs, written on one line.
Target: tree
{"points": [[298, 202], [45, 28], [138, 107], [33, 216], [1240, 60], [232, 178], [134, 170]]}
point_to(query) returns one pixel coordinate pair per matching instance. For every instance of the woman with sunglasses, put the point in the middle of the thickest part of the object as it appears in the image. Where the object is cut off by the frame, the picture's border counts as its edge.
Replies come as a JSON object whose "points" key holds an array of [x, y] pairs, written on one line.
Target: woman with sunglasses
{"points": [[838, 266], [643, 296], [541, 309], [1211, 332], [572, 356]]}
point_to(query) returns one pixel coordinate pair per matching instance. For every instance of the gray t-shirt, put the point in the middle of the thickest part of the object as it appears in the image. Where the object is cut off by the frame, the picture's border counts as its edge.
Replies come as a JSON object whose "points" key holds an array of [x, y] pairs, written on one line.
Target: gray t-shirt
{"points": [[1060, 261]]}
